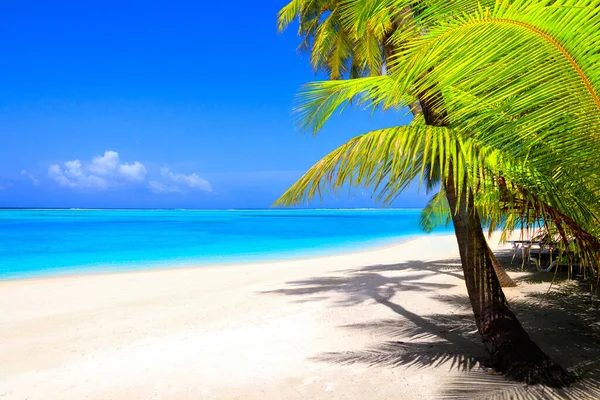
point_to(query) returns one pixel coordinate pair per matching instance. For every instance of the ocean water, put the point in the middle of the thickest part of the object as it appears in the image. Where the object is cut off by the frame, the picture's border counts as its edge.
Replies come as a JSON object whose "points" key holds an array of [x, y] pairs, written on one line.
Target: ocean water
{"points": [[38, 243]]}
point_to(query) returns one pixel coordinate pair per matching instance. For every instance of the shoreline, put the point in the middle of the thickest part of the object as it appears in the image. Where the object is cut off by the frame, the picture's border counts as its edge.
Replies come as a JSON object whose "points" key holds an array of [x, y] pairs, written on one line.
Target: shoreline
{"points": [[256, 331], [105, 269]]}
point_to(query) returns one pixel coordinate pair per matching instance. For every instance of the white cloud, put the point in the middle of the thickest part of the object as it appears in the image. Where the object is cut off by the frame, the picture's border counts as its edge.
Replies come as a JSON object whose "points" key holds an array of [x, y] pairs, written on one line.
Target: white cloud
{"points": [[109, 171], [178, 183], [192, 181], [74, 168], [103, 165], [133, 172], [102, 172], [33, 179], [74, 177], [157, 187]]}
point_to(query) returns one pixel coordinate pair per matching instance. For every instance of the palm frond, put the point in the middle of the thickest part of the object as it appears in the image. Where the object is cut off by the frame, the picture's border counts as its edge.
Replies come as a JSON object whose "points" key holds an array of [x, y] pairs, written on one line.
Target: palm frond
{"points": [[386, 161], [517, 81], [287, 14], [436, 213], [317, 101]]}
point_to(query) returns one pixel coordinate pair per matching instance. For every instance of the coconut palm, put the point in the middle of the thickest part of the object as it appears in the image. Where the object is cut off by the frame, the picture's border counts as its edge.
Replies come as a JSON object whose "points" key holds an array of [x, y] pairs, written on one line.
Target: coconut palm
{"points": [[341, 47], [510, 124], [334, 48]]}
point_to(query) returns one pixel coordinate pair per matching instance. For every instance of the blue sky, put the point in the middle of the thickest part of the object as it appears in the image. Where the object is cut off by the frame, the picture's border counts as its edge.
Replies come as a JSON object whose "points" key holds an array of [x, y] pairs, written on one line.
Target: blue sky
{"points": [[158, 104]]}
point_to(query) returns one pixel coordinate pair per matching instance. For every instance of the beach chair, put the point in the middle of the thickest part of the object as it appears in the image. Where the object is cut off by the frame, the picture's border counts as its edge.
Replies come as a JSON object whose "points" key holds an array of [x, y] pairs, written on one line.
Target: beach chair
{"points": [[566, 257], [541, 250], [525, 246], [547, 254]]}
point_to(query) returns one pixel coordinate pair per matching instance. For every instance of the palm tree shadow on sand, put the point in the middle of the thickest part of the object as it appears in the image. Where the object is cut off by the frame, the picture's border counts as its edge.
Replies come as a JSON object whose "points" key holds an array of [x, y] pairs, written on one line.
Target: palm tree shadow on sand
{"points": [[563, 323]]}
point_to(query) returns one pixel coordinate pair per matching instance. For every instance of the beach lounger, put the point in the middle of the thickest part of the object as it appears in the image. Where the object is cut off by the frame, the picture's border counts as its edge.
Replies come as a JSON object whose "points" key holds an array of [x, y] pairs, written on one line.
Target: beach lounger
{"points": [[541, 250]]}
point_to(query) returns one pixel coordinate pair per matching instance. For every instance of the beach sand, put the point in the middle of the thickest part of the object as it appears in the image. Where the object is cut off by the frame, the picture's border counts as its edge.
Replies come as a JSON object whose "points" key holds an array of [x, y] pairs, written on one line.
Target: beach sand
{"points": [[392, 323]]}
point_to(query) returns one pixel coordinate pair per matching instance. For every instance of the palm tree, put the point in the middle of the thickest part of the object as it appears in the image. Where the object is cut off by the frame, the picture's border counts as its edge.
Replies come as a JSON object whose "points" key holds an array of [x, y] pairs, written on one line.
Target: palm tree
{"points": [[329, 31], [487, 80], [333, 46]]}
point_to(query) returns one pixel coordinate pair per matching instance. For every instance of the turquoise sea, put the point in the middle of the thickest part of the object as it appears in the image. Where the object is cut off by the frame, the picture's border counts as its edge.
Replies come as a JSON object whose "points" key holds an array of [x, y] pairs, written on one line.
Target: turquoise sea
{"points": [[37, 243]]}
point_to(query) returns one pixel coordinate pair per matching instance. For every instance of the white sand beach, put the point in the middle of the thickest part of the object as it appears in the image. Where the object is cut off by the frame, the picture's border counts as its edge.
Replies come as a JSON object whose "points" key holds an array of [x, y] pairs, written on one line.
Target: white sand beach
{"points": [[391, 323]]}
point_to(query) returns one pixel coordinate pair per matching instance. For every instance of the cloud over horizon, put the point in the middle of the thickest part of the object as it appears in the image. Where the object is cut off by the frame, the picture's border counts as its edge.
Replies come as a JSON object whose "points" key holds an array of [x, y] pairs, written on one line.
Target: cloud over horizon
{"points": [[178, 183], [102, 172], [109, 171], [33, 179], [134, 172]]}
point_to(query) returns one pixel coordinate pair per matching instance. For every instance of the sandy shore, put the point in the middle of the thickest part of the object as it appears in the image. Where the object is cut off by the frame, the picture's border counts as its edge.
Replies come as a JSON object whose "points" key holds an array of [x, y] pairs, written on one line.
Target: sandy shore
{"points": [[391, 323]]}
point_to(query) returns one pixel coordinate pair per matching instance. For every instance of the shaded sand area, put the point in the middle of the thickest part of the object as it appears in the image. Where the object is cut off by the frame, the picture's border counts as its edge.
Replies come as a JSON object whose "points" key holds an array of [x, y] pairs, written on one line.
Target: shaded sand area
{"points": [[392, 323]]}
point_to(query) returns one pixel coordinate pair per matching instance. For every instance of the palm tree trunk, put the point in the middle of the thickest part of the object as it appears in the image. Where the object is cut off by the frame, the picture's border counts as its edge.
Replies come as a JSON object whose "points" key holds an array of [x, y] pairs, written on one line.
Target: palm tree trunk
{"points": [[427, 107], [512, 351], [505, 280]]}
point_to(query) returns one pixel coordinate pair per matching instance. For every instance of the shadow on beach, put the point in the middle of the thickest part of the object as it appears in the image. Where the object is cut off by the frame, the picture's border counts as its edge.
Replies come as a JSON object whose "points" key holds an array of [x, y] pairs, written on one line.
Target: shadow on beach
{"points": [[564, 323]]}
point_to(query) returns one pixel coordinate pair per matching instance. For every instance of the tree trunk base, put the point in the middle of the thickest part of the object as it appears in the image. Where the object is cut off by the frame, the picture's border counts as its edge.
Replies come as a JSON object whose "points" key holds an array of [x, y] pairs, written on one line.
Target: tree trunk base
{"points": [[518, 358]]}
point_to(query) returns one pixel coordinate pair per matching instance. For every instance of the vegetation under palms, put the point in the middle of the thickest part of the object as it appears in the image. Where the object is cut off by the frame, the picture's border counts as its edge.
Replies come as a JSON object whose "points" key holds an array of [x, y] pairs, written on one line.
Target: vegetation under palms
{"points": [[509, 125]]}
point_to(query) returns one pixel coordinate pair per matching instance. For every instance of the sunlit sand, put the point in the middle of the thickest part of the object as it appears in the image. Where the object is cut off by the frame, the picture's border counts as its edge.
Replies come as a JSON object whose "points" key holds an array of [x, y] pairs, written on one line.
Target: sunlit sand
{"points": [[387, 323]]}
